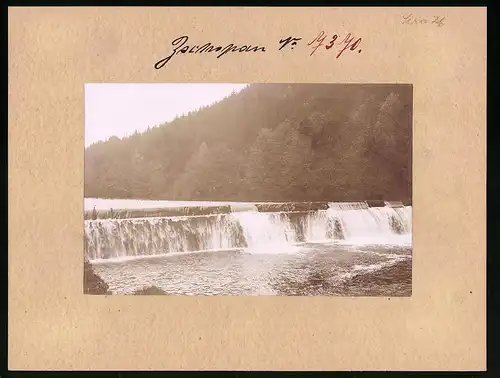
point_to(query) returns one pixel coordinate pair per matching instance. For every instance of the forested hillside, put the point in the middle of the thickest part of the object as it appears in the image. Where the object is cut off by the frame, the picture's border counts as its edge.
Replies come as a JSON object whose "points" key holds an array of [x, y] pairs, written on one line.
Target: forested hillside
{"points": [[269, 142]]}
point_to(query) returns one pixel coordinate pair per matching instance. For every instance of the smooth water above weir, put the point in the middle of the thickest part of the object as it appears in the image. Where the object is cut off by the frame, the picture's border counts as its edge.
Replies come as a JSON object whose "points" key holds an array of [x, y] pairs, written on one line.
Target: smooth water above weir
{"points": [[254, 228], [131, 204]]}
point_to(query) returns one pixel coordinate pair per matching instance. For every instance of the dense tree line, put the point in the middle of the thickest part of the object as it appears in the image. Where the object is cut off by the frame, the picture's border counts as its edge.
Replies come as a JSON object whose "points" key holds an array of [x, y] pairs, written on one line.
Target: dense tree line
{"points": [[269, 142]]}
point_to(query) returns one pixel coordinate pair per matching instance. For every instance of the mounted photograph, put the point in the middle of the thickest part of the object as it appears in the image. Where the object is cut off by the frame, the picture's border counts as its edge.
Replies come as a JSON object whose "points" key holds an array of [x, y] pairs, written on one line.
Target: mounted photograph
{"points": [[212, 189]]}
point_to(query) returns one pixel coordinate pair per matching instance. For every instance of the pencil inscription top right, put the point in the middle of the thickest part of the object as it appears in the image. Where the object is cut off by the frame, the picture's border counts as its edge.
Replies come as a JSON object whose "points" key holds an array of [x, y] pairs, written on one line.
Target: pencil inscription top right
{"points": [[411, 19]]}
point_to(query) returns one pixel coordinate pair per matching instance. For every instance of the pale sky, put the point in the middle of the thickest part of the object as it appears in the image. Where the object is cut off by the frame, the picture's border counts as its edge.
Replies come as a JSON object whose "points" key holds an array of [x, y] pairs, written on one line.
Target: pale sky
{"points": [[121, 109]]}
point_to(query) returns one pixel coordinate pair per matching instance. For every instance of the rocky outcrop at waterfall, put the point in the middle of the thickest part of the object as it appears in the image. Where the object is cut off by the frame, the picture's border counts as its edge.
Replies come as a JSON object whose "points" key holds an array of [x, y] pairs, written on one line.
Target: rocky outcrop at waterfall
{"points": [[92, 283], [151, 290]]}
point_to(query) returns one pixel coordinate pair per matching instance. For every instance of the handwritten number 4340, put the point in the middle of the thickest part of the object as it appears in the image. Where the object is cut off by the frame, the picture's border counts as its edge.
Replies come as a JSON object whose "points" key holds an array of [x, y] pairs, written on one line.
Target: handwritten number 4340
{"points": [[348, 43]]}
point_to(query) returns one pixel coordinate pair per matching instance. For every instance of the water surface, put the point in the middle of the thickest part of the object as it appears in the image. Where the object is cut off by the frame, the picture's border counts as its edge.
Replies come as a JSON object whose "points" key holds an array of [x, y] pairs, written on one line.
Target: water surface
{"points": [[313, 269], [348, 249]]}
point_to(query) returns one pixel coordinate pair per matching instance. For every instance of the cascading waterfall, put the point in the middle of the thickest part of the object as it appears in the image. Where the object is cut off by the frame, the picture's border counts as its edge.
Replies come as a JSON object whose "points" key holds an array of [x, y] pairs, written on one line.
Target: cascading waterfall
{"points": [[321, 226], [269, 232], [360, 222], [266, 230], [115, 238]]}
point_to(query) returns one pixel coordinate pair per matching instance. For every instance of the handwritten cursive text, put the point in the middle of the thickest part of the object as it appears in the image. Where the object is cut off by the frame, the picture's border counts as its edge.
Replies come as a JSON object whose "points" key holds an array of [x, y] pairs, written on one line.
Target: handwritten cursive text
{"points": [[290, 40], [181, 47], [410, 19]]}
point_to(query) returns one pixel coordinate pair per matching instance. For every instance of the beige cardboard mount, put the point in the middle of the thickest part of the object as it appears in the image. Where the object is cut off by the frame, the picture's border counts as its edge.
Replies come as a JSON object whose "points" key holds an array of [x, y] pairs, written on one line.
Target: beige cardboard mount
{"points": [[53, 52]]}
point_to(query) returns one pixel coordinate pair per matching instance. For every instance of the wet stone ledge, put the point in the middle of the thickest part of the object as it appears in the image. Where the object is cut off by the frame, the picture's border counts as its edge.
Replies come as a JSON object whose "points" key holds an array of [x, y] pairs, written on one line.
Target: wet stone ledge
{"points": [[375, 203], [291, 207]]}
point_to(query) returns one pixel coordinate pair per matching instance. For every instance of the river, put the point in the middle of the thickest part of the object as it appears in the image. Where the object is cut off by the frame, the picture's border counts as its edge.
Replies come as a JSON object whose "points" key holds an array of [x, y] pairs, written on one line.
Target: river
{"points": [[347, 249]]}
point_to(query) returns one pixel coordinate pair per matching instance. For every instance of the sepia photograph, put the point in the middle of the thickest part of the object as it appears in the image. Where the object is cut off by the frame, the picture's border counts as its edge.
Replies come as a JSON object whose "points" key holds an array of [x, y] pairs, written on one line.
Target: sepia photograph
{"points": [[275, 189]]}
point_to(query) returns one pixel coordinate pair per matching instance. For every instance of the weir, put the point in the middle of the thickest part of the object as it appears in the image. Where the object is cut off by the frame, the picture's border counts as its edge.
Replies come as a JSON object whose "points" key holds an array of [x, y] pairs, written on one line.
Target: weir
{"points": [[263, 227], [267, 207]]}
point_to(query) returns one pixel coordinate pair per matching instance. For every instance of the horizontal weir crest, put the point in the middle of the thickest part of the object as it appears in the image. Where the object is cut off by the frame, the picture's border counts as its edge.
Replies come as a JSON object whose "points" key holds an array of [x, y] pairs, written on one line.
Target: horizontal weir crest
{"points": [[262, 207]]}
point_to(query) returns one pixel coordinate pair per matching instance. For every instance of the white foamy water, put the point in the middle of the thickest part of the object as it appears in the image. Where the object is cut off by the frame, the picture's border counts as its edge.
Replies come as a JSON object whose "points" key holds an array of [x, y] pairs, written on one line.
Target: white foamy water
{"points": [[338, 250], [373, 225], [253, 231], [266, 231]]}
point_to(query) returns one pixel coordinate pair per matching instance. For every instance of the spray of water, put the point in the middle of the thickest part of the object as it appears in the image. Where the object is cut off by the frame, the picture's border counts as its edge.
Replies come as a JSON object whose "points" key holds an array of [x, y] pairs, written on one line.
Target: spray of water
{"points": [[253, 231]]}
